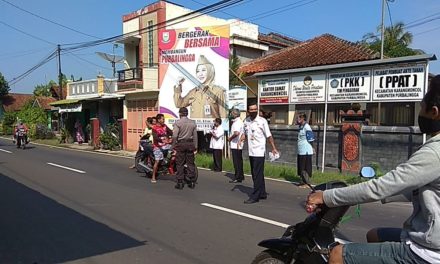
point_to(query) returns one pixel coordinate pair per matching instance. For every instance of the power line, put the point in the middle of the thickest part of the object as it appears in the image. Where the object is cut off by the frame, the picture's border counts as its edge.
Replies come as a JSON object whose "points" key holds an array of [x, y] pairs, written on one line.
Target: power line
{"points": [[48, 20], [30, 35]]}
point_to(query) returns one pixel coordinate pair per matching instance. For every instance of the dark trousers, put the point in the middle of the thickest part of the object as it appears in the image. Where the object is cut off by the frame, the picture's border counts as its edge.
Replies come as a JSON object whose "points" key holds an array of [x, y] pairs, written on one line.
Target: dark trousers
{"points": [[185, 155], [257, 169], [304, 164], [237, 159], [217, 157]]}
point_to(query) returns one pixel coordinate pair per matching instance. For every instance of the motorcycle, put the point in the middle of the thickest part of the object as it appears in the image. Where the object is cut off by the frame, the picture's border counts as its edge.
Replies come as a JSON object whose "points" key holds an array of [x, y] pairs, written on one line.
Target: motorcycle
{"points": [[20, 137], [309, 241], [144, 161]]}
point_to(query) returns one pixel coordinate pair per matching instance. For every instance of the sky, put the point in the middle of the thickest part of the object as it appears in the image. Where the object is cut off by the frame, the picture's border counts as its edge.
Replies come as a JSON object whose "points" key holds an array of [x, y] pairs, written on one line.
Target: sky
{"points": [[27, 37]]}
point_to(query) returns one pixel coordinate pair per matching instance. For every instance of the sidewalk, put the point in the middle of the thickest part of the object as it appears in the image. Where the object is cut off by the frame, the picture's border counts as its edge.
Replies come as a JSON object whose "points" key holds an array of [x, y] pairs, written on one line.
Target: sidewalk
{"points": [[87, 147]]}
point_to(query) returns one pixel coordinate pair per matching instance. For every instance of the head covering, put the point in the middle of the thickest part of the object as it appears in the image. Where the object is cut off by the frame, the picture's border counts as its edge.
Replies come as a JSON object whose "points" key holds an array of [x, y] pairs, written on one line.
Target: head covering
{"points": [[209, 68], [183, 111]]}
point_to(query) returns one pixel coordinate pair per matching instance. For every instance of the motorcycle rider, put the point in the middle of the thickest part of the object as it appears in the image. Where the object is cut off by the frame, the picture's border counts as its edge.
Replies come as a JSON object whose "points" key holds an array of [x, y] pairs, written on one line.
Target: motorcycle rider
{"points": [[161, 142], [418, 180], [21, 127]]}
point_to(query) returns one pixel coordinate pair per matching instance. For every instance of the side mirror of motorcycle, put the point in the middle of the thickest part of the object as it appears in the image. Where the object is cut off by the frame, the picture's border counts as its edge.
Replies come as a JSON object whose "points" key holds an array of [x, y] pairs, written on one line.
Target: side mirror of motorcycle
{"points": [[367, 172]]}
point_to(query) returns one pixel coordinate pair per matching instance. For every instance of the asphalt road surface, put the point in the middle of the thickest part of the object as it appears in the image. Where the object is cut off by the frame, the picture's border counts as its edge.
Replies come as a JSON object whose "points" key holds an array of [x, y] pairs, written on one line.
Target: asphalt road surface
{"points": [[62, 205]]}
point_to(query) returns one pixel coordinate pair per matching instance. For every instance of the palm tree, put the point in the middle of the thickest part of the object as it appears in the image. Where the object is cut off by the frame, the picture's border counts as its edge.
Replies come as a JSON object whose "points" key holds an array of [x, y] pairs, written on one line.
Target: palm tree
{"points": [[396, 41]]}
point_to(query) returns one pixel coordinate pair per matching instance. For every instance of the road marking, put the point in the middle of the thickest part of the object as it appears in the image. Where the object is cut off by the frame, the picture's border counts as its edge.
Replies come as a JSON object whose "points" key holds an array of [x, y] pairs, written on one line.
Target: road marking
{"points": [[261, 219], [7, 151], [64, 167]]}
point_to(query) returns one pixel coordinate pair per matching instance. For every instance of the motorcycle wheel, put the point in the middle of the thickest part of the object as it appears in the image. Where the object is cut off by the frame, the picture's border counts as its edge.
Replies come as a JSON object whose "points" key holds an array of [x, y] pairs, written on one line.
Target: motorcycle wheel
{"points": [[269, 257], [139, 156]]}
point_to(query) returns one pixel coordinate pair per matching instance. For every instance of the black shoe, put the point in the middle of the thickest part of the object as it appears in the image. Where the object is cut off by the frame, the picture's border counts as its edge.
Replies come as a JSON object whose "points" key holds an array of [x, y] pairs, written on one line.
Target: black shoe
{"points": [[191, 185], [235, 181], [179, 185], [250, 201], [263, 197]]}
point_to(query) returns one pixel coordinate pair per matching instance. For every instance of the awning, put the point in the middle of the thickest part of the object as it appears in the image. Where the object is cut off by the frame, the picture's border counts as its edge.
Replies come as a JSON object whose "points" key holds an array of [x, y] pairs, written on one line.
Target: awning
{"points": [[64, 102]]}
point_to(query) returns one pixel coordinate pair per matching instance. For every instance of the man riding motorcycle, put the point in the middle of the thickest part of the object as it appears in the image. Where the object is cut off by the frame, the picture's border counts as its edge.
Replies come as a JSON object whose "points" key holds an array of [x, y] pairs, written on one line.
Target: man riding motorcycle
{"points": [[418, 180], [20, 131]]}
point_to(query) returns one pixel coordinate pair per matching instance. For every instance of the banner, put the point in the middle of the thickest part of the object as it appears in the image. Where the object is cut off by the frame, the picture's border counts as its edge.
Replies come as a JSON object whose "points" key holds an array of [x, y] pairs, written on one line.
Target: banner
{"points": [[399, 84], [349, 86], [274, 91], [237, 97], [308, 89], [194, 73]]}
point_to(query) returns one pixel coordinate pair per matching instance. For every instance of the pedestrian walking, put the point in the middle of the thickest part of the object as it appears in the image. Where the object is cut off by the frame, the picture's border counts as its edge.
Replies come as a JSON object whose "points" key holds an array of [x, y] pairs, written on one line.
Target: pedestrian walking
{"points": [[257, 131], [236, 145], [185, 146], [305, 149], [217, 143]]}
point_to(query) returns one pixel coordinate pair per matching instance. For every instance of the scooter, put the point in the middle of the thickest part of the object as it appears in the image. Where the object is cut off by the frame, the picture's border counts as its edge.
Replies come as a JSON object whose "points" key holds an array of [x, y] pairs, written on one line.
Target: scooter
{"points": [[21, 139], [306, 242]]}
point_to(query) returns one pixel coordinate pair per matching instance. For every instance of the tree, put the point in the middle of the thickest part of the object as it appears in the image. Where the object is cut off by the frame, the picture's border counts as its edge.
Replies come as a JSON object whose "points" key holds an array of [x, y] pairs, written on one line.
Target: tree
{"points": [[4, 86], [396, 41], [234, 65], [42, 90]]}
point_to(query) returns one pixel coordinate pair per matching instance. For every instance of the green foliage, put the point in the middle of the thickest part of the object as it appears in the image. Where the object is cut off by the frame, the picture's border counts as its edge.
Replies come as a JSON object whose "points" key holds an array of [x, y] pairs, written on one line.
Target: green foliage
{"points": [[42, 90], [65, 135], [396, 41], [8, 122], [32, 115], [41, 131], [4, 86], [377, 169], [110, 137], [234, 65]]}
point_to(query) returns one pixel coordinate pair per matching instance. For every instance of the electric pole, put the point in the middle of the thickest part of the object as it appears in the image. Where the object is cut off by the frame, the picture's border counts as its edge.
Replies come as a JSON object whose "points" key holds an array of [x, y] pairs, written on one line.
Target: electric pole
{"points": [[60, 75], [382, 38]]}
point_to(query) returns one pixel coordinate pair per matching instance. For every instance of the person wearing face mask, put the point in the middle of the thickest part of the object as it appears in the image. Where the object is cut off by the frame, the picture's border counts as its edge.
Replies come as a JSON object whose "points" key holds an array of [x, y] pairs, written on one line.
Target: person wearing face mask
{"points": [[206, 100], [217, 143], [418, 180], [305, 149], [257, 132]]}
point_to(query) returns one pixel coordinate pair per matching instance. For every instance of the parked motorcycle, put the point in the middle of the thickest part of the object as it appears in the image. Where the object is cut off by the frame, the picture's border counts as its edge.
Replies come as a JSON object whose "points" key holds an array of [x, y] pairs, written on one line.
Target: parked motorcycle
{"points": [[311, 240]]}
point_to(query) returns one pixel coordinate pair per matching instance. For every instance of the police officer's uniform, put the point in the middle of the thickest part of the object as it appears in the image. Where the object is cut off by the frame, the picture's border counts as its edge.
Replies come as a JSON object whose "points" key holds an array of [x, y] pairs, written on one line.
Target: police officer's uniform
{"points": [[185, 143]]}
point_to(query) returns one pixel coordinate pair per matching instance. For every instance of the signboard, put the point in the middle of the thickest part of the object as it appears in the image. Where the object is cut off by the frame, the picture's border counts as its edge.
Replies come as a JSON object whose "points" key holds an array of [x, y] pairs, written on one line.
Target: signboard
{"points": [[308, 89], [349, 86], [403, 83], [194, 73], [237, 98], [274, 91], [70, 108]]}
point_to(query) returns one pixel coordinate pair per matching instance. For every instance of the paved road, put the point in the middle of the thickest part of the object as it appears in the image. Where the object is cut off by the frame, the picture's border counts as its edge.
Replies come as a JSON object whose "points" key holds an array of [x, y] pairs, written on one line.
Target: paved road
{"points": [[103, 212]]}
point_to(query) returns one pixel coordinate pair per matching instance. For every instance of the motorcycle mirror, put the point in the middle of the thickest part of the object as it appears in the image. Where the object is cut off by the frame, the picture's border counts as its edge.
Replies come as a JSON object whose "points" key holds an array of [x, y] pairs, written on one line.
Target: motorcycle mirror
{"points": [[367, 172]]}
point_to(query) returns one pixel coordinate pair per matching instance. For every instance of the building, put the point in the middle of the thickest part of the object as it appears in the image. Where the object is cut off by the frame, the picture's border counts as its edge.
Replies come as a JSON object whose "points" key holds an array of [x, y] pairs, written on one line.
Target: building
{"points": [[141, 78]]}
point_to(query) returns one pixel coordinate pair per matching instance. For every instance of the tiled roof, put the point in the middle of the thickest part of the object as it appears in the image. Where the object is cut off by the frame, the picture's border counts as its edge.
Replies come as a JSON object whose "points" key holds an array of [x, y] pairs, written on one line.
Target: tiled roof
{"points": [[44, 102], [55, 90], [323, 50], [14, 101]]}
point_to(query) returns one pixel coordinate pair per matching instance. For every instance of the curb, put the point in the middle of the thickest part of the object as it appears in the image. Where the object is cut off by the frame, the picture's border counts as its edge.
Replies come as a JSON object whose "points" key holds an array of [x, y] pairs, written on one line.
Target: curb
{"points": [[131, 157]]}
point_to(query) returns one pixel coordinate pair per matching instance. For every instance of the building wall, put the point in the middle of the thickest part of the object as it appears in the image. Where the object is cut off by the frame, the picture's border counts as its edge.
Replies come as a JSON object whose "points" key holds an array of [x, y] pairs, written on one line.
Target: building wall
{"points": [[387, 146], [173, 11]]}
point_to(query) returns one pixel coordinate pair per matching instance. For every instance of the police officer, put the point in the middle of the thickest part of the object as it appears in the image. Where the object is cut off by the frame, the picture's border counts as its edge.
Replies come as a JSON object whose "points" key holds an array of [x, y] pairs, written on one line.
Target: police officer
{"points": [[185, 146]]}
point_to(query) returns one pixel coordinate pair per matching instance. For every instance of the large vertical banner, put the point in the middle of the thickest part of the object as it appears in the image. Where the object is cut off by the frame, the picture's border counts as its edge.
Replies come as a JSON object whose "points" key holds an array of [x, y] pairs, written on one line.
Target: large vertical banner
{"points": [[194, 73]]}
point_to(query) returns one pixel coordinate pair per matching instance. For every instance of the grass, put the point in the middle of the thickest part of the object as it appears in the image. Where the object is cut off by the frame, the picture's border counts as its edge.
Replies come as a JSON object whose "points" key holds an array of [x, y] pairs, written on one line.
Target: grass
{"points": [[51, 142], [277, 171]]}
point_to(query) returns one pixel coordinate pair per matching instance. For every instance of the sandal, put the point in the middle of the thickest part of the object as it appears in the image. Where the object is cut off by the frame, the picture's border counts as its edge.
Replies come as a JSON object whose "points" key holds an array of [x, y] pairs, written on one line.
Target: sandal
{"points": [[153, 181]]}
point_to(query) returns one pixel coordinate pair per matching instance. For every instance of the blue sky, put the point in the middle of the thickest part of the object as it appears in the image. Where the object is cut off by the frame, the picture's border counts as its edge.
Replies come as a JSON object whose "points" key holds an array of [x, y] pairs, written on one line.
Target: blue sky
{"points": [[347, 19]]}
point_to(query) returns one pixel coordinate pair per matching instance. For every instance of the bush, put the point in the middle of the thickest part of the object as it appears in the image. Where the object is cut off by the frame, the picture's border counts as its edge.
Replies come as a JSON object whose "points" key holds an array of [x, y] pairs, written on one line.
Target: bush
{"points": [[9, 119], [110, 138], [41, 131]]}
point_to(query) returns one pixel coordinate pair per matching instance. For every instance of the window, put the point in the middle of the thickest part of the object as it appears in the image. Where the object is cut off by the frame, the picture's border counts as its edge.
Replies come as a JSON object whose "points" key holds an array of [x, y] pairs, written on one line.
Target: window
{"points": [[391, 114], [150, 44], [317, 111]]}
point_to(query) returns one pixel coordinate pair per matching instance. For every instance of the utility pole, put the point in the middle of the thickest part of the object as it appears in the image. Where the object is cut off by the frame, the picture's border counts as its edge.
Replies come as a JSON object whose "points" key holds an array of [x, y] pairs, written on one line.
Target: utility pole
{"points": [[60, 75], [382, 38]]}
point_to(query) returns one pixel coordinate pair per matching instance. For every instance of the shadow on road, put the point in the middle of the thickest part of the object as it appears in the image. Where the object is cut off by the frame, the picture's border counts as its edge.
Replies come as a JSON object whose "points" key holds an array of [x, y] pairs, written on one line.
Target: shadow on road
{"points": [[243, 189], [37, 229]]}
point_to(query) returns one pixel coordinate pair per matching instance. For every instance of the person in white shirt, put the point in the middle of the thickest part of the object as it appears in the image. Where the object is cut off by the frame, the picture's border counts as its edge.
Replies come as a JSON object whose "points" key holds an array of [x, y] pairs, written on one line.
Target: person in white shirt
{"points": [[237, 146], [217, 143], [257, 131]]}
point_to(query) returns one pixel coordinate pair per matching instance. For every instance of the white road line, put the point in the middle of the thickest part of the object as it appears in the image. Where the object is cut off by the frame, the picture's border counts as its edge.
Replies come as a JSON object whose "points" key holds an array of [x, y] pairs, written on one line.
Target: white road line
{"points": [[261, 219], [66, 168], [7, 151]]}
